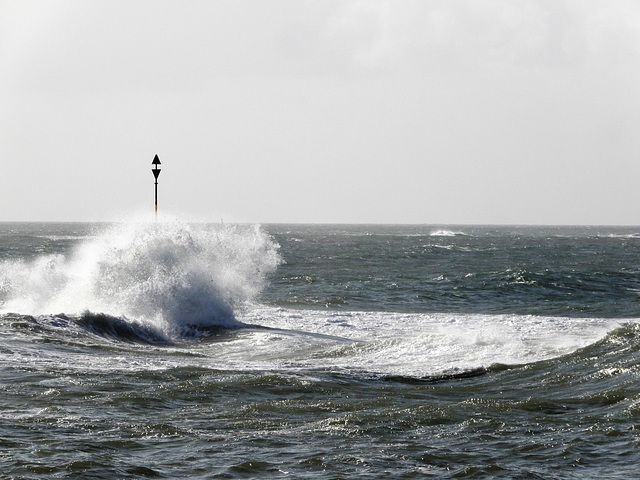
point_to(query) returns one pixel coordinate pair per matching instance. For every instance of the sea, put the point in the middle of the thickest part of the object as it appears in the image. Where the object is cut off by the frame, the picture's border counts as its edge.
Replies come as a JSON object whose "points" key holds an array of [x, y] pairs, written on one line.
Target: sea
{"points": [[186, 350]]}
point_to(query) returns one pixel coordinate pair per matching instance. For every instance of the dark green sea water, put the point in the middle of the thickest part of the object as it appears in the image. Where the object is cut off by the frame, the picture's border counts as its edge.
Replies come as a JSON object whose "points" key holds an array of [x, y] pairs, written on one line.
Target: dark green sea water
{"points": [[176, 350]]}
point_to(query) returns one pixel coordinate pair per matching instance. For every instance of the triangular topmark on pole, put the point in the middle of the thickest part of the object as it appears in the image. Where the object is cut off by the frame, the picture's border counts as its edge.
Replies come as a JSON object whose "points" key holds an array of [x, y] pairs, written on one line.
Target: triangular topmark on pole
{"points": [[156, 172]]}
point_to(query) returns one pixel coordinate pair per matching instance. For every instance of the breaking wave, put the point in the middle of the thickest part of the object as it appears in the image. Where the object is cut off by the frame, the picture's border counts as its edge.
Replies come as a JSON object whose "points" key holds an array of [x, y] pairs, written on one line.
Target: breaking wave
{"points": [[169, 276]]}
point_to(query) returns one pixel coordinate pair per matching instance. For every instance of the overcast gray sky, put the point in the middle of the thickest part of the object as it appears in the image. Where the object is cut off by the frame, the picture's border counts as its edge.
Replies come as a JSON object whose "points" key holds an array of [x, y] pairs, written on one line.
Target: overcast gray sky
{"points": [[378, 111]]}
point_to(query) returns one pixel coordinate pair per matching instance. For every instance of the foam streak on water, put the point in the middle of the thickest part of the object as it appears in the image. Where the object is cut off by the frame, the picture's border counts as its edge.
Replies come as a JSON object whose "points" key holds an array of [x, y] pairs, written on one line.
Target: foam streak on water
{"points": [[416, 345]]}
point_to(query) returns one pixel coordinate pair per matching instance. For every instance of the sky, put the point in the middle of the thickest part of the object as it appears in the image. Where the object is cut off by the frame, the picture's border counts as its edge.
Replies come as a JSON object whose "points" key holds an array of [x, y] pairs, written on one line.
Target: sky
{"points": [[325, 111]]}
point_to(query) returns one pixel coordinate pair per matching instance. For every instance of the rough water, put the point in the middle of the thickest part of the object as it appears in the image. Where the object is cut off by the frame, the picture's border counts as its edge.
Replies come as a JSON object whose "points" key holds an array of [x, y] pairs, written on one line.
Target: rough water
{"points": [[186, 350]]}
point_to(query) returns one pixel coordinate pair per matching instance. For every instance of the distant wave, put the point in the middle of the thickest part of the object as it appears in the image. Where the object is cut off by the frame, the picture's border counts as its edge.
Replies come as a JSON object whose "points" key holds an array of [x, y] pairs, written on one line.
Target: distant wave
{"points": [[446, 233], [627, 235]]}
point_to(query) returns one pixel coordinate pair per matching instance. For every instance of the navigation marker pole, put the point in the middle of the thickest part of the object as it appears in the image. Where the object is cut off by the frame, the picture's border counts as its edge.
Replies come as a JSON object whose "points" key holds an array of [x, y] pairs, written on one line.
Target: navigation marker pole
{"points": [[156, 172]]}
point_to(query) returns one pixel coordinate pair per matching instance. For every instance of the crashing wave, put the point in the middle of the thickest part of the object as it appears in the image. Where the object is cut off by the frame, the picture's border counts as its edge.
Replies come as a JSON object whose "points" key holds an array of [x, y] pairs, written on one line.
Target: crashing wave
{"points": [[170, 276]]}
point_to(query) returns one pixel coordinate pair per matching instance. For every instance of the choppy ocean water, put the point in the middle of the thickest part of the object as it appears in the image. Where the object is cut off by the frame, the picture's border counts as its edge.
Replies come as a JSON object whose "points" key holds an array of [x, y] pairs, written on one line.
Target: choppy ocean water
{"points": [[177, 350]]}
